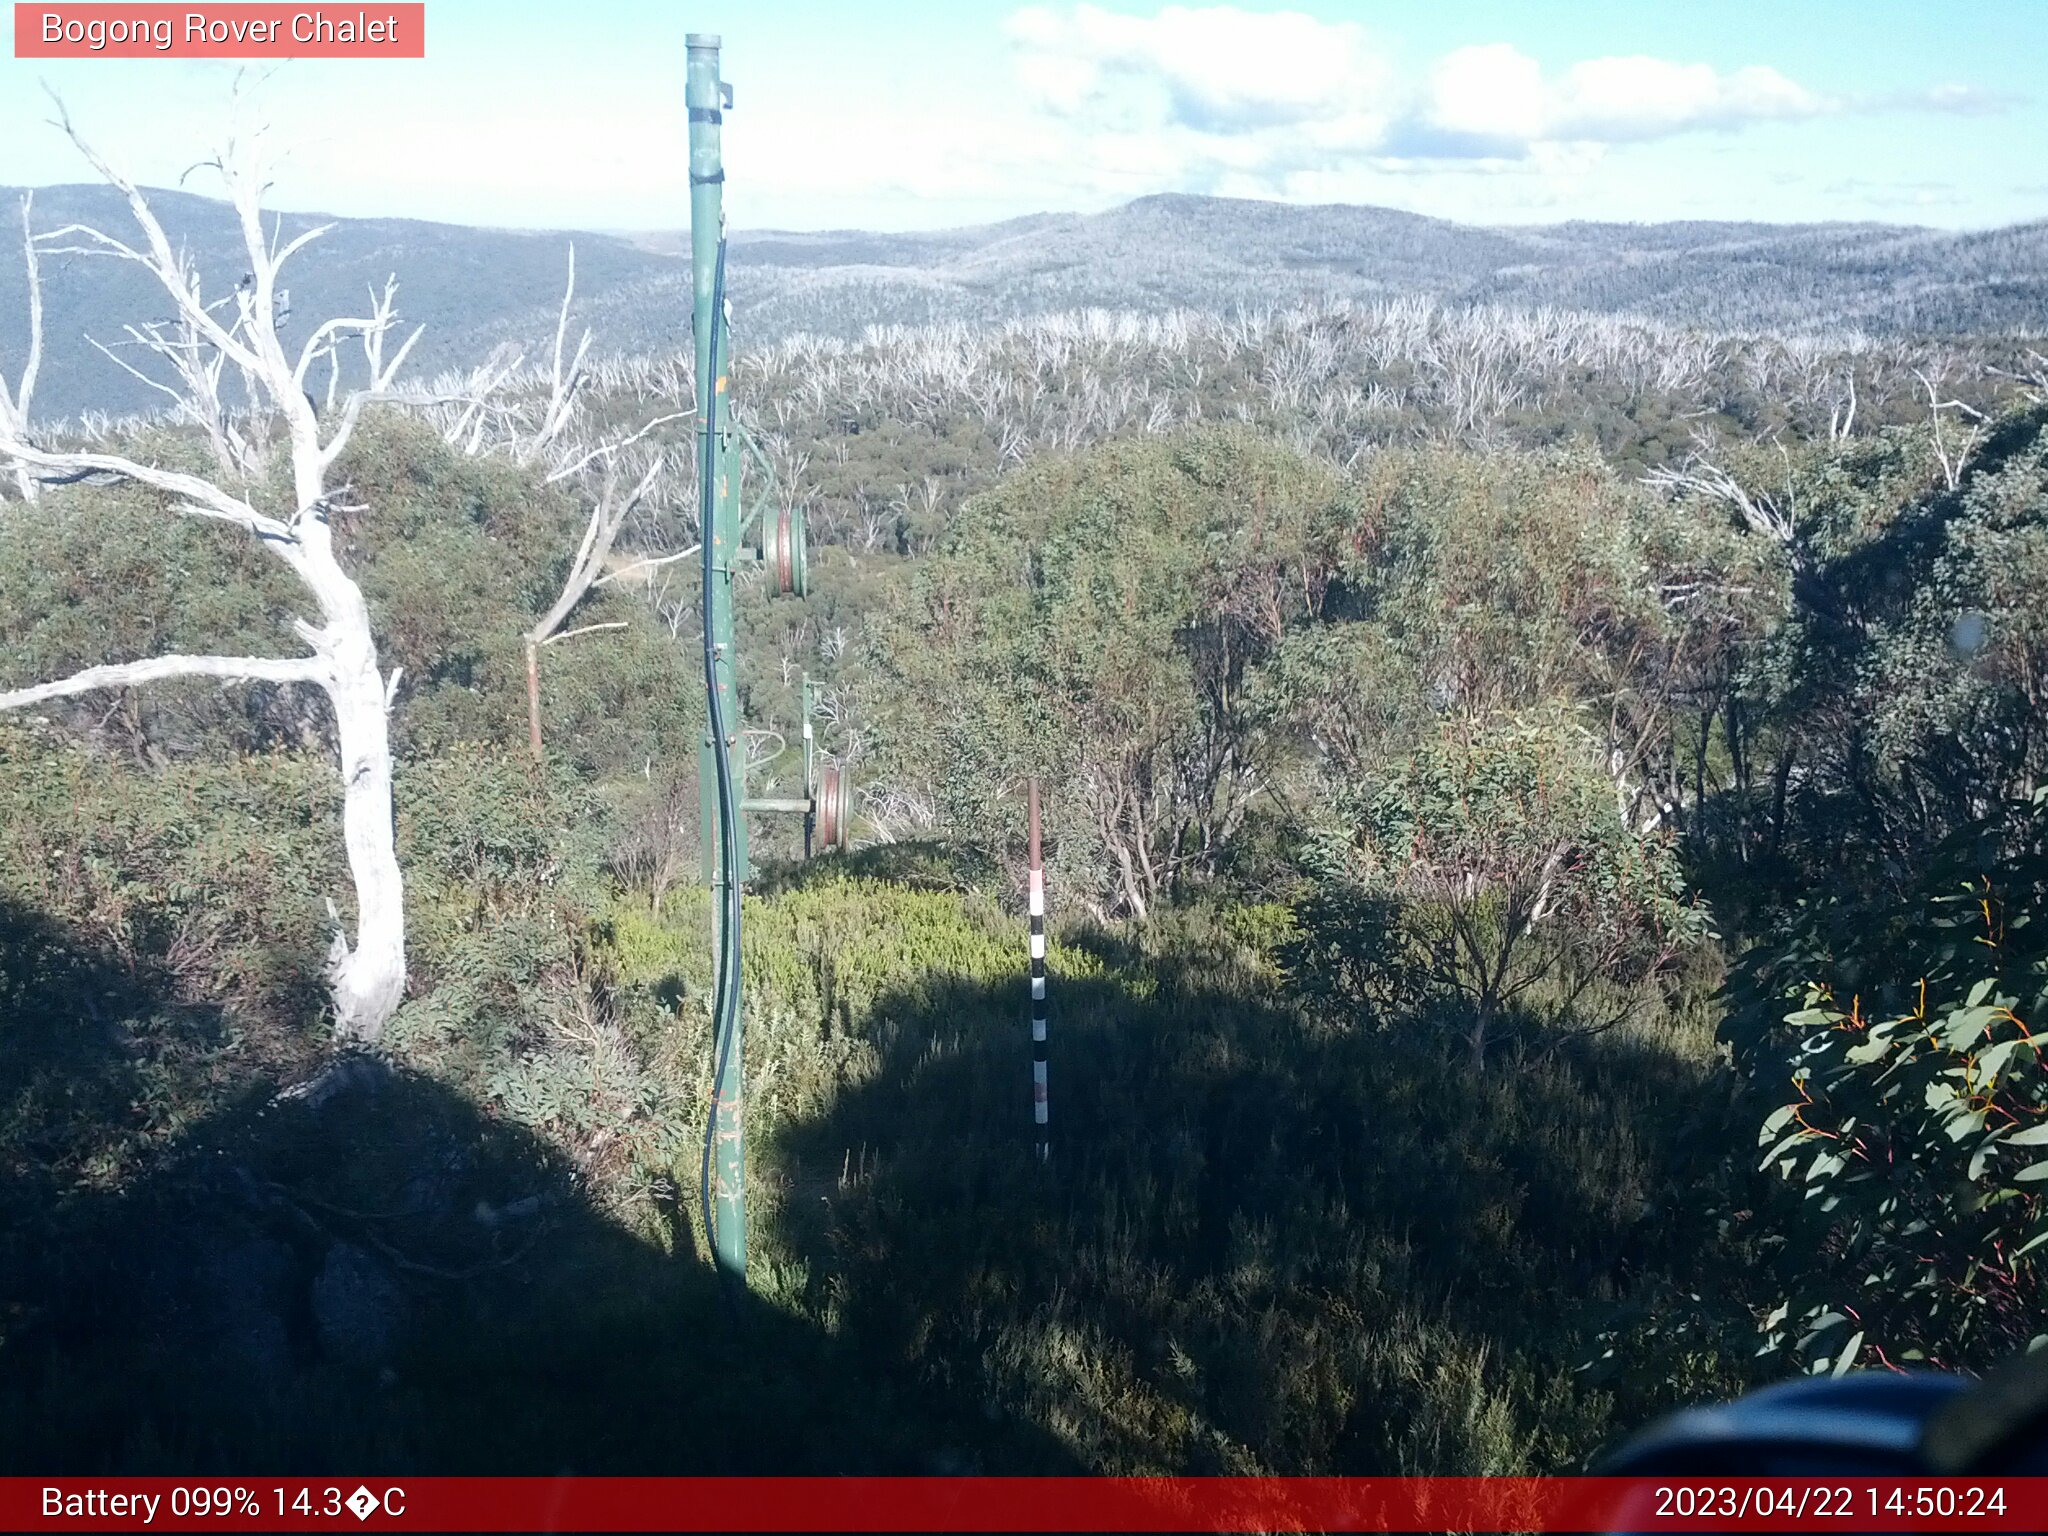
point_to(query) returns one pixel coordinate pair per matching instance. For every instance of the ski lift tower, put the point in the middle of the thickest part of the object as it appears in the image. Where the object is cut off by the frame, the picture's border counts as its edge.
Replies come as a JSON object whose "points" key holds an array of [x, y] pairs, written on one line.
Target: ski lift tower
{"points": [[724, 453]]}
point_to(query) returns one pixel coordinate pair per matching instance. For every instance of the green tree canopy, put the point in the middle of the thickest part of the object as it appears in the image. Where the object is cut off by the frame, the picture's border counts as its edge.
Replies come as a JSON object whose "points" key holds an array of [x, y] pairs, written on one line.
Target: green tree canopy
{"points": [[1095, 620]]}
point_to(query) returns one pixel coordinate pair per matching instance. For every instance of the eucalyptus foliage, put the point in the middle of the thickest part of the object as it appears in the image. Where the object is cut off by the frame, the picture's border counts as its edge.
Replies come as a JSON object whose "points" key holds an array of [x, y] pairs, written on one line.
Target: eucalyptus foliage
{"points": [[1097, 621], [1915, 1117], [1502, 839]]}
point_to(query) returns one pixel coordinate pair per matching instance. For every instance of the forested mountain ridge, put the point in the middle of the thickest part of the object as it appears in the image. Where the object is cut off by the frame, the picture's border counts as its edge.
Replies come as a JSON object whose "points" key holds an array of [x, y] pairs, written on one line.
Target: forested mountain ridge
{"points": [[1209, 252], [470, 288], [474, 288]]}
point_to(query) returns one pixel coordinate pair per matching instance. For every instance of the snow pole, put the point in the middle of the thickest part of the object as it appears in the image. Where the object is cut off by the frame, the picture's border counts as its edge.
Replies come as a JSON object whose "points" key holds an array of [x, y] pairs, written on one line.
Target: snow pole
{"points": [[1040, 1107]]}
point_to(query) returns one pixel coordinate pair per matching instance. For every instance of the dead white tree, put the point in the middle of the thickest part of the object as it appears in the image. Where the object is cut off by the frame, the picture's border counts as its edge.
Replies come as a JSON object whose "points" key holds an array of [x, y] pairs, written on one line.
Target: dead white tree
{"points": [[2031, 375], [504, 406], [366, 978], [614, 504], [1842, 414], [565, 385], [894, 813], [14, 407], [1765, 512], [616, 496], [1953, 456]]}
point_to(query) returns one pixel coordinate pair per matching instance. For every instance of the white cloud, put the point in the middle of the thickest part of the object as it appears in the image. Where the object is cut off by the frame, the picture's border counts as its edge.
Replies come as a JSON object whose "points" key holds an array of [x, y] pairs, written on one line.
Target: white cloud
{"points": [[1612, 100], [1215, 68], [1495, 100], [1223, 93], [1223, 100], [1491, 95]]}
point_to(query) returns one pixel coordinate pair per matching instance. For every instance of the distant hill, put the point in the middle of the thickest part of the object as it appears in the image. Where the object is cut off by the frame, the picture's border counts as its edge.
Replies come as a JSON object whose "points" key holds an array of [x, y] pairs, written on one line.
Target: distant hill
{"points": [[473, 288], [469, 287], [1210, 252]]}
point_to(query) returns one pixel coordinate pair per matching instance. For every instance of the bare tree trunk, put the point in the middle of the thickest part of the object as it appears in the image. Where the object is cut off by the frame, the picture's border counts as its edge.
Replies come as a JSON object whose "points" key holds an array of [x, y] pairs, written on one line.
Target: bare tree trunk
{"points": [[1112, 799], [1780, 783], [551, 441], [533, 696], [1133, 891], [607, 517], [14, 409], [369, 979], [1699, 762]]}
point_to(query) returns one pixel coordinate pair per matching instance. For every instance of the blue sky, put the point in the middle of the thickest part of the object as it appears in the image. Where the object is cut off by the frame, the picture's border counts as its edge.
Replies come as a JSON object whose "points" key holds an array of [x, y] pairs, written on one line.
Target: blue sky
{"points": [[921, 114]]}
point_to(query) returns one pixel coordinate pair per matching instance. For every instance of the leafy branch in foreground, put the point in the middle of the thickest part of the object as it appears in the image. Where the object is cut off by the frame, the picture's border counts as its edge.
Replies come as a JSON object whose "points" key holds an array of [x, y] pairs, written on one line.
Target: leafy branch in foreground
{"points": [[1916, 1124]]}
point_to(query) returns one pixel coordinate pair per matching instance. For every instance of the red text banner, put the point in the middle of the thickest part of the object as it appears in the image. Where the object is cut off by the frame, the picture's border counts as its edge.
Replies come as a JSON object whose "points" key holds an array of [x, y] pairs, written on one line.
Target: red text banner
{"points": [[1010, 1504], [238, 31]]}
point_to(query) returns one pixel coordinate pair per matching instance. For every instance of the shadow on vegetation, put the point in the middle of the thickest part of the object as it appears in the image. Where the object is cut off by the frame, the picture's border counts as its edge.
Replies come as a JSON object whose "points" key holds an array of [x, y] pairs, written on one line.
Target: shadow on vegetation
{"points": [[373, 1277], [1263, 1242], [1836, 802], [1268, 1240]]}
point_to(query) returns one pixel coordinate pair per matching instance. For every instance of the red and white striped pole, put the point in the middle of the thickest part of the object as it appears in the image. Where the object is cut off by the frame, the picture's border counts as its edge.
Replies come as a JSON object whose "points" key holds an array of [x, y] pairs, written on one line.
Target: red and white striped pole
{"points": [[1040, 1109]]}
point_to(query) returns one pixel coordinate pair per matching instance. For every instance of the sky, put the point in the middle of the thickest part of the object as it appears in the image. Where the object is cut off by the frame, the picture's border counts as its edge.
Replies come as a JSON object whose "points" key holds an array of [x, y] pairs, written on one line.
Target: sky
{"points": [[918, 114]]}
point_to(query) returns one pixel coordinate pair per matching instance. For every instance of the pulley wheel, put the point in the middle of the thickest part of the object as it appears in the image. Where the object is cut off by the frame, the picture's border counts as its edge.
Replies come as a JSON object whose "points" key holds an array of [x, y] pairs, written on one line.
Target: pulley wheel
{"points": [[787, 553], [832, 810]]}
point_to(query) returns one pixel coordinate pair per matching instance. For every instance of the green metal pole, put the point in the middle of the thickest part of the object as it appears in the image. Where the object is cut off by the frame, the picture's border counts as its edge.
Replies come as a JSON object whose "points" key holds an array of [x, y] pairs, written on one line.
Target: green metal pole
{"points": [[779, 807], [706, 97]]}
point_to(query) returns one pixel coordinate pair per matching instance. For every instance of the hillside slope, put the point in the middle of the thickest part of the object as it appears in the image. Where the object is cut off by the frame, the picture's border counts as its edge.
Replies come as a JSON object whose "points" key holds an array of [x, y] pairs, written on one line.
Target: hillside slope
{"points": [[472, 287]]}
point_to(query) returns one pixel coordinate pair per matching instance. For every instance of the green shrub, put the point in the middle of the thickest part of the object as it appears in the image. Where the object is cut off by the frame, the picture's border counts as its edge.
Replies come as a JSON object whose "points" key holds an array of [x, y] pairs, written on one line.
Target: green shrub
{"points": [[1918, 1109]]}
